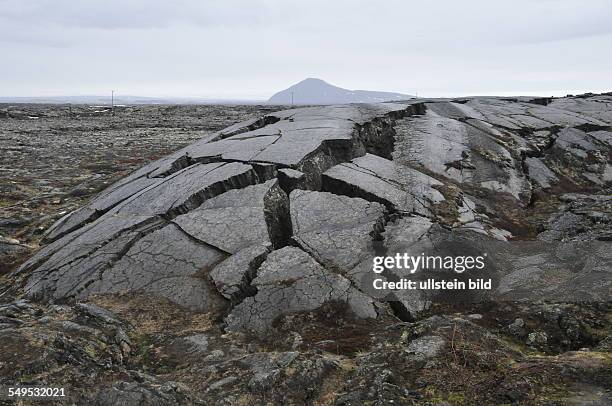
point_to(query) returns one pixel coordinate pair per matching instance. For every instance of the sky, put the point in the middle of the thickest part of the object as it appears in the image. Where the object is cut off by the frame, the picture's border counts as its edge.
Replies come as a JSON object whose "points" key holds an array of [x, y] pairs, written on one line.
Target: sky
{"points": [[250, 49]]}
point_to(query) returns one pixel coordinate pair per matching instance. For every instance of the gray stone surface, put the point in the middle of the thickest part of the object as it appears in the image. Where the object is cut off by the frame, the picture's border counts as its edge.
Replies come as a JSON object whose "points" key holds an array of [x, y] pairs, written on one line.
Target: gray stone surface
{"points": [[240, 218], [539, 173], [378, 179], [290, 179], [555, 271], [462, 151], [426, 347], [337, 230], [291, 281], [167, 263], [284, 213], [409, 235], [98, 207], [196, 344], [232, 277]]}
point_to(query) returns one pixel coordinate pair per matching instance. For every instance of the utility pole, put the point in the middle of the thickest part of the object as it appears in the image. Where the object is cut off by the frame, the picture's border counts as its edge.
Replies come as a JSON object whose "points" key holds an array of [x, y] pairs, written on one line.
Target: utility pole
{"points": [[112, 102]]}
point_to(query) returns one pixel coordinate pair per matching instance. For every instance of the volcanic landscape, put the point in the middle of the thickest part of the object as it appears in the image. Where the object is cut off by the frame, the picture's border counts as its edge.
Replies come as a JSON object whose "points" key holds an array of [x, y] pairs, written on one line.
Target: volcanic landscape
{"points": [[223, 254]]}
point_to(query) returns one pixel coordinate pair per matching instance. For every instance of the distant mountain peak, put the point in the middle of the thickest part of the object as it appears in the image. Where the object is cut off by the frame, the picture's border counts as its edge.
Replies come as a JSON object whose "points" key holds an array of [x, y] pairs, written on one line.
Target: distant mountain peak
{"points": [[313, 80], [318, 91]]}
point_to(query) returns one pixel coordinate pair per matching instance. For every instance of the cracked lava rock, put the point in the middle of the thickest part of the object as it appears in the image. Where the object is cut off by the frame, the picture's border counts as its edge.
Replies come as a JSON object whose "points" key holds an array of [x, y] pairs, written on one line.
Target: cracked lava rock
{"points": [[269, 228]]}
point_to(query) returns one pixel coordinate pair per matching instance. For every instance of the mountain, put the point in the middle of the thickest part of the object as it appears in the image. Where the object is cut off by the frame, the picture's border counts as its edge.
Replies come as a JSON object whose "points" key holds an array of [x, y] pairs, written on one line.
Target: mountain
{"points": [[317, 91]]}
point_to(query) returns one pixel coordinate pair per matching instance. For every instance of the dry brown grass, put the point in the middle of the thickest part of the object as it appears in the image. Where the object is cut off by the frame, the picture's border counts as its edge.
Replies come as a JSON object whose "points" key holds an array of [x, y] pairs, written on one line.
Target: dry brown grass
{"points": [[153, 315]]}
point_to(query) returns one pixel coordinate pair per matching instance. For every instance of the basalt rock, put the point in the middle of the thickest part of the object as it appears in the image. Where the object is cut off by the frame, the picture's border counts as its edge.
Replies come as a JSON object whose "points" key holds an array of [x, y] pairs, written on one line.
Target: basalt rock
{"points": [[239, 269], [291, 281], [285, 213]]}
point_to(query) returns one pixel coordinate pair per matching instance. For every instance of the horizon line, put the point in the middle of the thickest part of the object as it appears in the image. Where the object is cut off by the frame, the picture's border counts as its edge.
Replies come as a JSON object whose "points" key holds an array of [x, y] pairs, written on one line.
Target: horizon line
{"points": [[107, 98]]}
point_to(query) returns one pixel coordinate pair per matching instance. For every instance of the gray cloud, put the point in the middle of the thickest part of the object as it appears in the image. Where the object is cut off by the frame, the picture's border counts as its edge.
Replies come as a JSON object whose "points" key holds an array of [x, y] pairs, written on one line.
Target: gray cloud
{"points": [[252, 48], [133, 14]]}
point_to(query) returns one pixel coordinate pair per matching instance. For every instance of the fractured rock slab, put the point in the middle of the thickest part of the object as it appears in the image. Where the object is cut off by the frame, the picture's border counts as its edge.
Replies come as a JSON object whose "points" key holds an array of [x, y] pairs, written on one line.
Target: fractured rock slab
{"points": [[99, 206], [211, 226], [66, 267], [291, 281], [337, 230], [291, 179], [240, 218], [185, 189], [67, 271], [539, 172], [158, 195], [166, 263], [576, 271], [378, 179], [406, 235], [459, 151], [231, 149], [232, 277]]}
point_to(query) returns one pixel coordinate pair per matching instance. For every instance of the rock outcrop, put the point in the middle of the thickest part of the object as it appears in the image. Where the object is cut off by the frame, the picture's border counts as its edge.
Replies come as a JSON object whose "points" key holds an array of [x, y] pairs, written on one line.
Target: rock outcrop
{"points": [[239, 269], [285, 213], [325, 186]]}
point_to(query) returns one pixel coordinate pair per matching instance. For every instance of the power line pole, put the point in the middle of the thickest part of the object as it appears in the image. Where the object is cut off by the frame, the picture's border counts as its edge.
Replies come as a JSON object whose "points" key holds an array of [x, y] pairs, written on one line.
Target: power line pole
{"points": [[112, 102]]}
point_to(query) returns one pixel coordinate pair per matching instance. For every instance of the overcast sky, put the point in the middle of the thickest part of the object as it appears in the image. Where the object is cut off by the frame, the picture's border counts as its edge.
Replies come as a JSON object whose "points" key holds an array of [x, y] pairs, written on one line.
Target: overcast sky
{"points": [[253, 48]]}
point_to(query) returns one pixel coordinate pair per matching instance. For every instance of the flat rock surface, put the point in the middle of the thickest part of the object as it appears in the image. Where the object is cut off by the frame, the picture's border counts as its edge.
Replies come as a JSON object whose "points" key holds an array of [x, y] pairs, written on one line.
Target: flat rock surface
{"points": [[289, 281], [376, 178], [337, 230], [240, 218]]}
